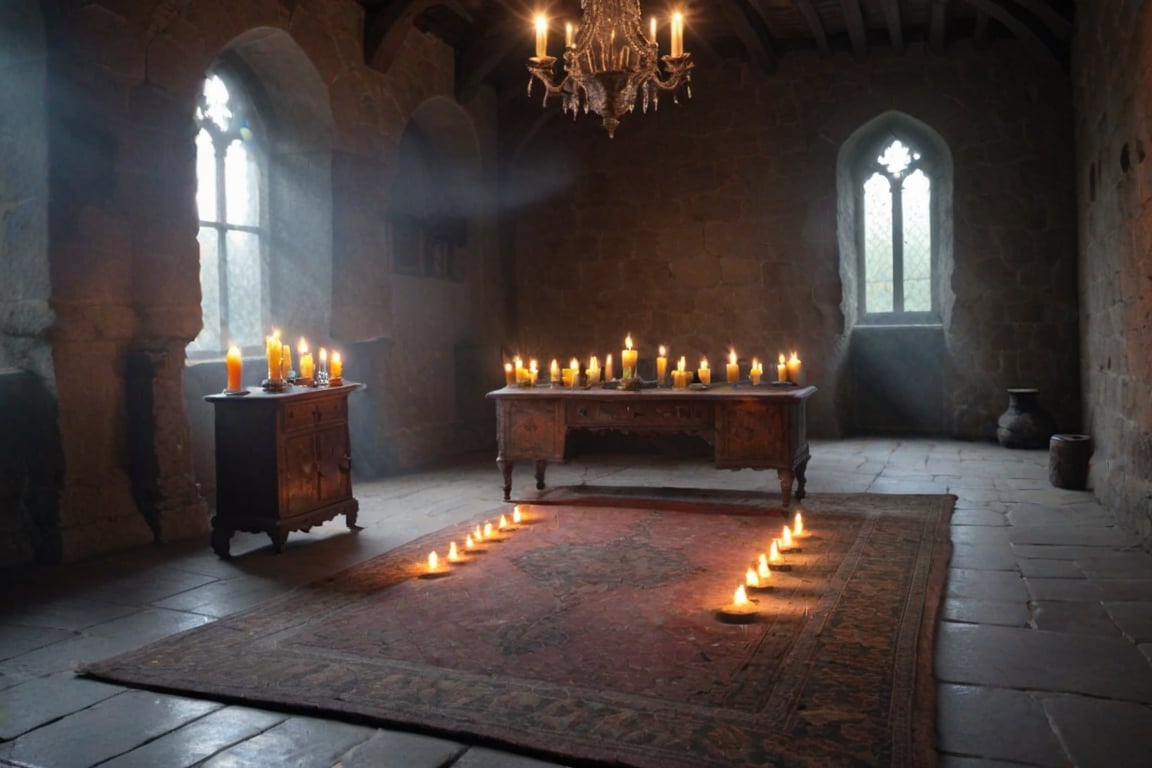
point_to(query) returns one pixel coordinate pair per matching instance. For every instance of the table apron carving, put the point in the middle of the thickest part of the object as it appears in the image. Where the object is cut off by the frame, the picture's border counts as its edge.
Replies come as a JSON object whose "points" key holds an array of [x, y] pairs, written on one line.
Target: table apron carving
{"points": [[748, 428]]}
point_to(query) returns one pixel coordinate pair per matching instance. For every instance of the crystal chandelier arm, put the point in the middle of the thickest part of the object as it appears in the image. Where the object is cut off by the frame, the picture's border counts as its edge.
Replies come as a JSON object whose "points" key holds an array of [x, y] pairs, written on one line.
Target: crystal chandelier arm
{"points": [[677, 72]]}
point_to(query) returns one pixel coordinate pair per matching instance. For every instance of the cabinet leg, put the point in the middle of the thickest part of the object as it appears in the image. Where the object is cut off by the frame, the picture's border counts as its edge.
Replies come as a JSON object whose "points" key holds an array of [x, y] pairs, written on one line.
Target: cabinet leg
{"points": [[279, 539], [801, 469], [505, 467], [785, 476], [541, 467], [220, 538], [350, 520]]}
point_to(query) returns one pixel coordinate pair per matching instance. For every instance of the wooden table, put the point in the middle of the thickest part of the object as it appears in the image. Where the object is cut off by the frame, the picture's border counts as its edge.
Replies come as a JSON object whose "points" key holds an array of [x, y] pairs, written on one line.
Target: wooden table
{"points": [[283, 462], [750, 427]]}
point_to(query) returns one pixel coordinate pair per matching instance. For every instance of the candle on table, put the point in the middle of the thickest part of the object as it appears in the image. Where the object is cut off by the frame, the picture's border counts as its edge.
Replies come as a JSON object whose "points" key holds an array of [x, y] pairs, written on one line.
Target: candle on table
{"points": [[703, 372], [323, 360], [509, 374], [793, 365], [662, 357], [593, 371], [307, 366], [518, 367], [541, 36], [628, 358], [782, 369], [234, 366], [574, 372], [554, 372], [337, 366], [274, 351], [755, 372], [608, 368], [733, 368], [285, 361], [680, 375], [533, 372]]}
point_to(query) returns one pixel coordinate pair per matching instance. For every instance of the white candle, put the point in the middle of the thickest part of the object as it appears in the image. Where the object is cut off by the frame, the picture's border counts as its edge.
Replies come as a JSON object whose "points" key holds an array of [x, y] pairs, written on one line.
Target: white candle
{"points": [[677, 34], [541, 37]]}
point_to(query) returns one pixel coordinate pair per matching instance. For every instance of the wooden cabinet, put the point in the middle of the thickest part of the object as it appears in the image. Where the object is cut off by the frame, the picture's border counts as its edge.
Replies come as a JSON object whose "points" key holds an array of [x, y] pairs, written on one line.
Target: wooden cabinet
{"points": [[283, 462]]}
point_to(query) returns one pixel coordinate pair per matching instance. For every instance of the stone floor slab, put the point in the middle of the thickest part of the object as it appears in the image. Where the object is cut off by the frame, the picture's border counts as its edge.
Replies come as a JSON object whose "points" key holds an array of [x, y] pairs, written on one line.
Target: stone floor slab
{"points": [[1004, 586], [1067, 590], [973, 611], [38, 701], [392, 749], [1103, 734], [1070, 535], [1050, 569], [966, 710], [986, 517], [198, 740], [1134, 619], [1117, 565], [1031, 659], [998, 557], [481, 757], [302, 741], [1074, 618]]}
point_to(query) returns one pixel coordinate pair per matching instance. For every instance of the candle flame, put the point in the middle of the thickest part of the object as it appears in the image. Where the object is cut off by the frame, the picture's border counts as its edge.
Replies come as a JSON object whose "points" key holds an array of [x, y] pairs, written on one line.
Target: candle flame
{"points": [[663, 351], [774, 553], [503, 522], [541, 22], [732, 356], [479, 534], [762, 569], [453, 553], [323, 355], [781, 358], [786, 537], [741, 597], [487, 530], [628, 341], [703, 363], [574, 364], [798, 526], [763, 560], [468, 542], [793, 359], [532, 365], [682, 365], [303, 346], [433, 560], [516, 518], [751, 579]]}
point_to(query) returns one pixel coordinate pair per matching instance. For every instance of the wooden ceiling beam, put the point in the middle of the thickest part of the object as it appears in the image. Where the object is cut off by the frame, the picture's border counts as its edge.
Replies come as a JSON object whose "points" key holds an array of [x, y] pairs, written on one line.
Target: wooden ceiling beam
{"points": [[895, 26], [749, 26], [386, 30], [1029, 39], [854, 21], [815, 25], [1060, 26], [938, 26], [481, 58]]}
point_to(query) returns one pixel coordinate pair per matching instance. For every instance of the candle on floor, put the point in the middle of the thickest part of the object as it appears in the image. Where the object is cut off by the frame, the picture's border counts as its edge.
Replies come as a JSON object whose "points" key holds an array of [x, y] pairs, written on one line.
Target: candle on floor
{"points": [[798, 525], [740, 610], [234, 365], [435, 568], [453, 553]]}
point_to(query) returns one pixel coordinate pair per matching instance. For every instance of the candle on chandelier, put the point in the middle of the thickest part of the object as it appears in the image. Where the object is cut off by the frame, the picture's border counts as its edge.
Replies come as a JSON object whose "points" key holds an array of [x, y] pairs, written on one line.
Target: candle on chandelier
{"points": [[541, 36], [234, 365], [569, 35], [733, 368], [677, 47], [704, 373], [662, 356], [652, 32], [628, 358]]}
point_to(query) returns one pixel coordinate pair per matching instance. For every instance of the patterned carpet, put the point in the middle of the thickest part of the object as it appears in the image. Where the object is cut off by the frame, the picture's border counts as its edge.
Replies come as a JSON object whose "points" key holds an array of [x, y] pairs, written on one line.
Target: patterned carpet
{"points": [[589, 635]]}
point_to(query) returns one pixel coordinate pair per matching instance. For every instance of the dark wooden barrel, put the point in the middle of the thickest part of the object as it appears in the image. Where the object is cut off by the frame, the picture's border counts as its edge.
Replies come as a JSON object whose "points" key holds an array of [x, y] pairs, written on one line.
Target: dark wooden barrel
{"points": [[1068, 461]]}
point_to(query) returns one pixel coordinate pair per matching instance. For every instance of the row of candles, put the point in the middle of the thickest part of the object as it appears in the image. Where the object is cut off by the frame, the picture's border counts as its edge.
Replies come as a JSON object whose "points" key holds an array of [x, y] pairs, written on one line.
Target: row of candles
{"points": [[279, 358], [676, 36], [518, 374], [473, 542], [757, 577]]}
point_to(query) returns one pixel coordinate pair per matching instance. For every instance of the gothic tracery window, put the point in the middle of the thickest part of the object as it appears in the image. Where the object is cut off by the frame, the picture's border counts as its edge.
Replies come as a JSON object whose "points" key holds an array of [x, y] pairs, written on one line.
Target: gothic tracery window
{"points": [[229, 192]]}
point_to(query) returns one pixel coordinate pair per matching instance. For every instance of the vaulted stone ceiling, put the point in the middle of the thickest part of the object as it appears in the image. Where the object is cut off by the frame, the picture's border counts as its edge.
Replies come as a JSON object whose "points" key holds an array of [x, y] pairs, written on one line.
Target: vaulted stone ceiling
{"points": [[493, 38]]}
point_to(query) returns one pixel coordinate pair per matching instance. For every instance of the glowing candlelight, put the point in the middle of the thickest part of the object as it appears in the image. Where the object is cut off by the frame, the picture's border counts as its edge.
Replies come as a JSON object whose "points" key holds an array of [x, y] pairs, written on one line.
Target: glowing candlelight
{"points": [[786, 538], [608, 368], [541, 36], [628, 357], [774, 553], [469, 543], [504, 522], [516, 517], [433, 561], [740, 597], [677, 44], [782, 369], [793, 366], [509, 374], [751, 578], [487, 530], [798, 525], [733, 368], [478, 534], [755, 372], [662, 356], [703, 372], [762, 569], [233, 366], [453, 554], [337, 366]]}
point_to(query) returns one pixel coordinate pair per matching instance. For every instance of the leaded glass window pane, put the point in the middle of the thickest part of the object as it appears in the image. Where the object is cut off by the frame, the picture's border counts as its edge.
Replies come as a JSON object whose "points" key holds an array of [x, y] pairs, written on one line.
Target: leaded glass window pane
{"points": [[878, 274], [206, 177], [210, 335], [243, 203], [917, 252], [244, 300]]}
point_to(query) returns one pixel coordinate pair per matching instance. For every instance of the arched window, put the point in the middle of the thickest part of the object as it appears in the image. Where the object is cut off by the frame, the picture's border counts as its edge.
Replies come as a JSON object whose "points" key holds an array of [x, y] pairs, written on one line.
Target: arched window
{"points": [[897, 233], [230, 189]]}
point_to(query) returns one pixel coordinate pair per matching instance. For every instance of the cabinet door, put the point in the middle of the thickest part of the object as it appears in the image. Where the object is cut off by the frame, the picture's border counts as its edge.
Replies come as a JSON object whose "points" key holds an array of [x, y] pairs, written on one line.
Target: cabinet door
{"points": [[335, 464], [753, 434], [300, 480]]}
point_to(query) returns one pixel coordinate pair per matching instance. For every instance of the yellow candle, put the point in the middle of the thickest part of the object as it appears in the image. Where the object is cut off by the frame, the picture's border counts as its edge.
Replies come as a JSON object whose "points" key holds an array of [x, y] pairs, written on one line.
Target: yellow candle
{"points": [[521, 374], [733, 368], [782, 369], [533, 371], [305, 360], [274, 350], [569, 35], [628, 358], [755, 372], [652, 30], [703, 372], [234, 365], [574, 372], [509, 374], [593, 371], [337, 366], [608, 368], [541, 37], [677, 34], [662, 357], [794, 368], [286, 361], [554, 371]]}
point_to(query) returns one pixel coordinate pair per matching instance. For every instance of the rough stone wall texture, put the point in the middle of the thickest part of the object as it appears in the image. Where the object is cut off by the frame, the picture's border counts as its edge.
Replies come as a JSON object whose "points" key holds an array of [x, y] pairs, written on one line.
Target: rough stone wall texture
{"points": [[713, 224], [120, 261], [1112, 63]]}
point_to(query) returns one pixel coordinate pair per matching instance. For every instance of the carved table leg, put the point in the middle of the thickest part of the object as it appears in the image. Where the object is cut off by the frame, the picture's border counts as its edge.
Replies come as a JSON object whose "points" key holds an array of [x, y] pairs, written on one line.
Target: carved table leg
{"points": [[506, 470], [220, 538], [801, 468], [785, 476], [541, 466], [350, 520], [279, 539]]}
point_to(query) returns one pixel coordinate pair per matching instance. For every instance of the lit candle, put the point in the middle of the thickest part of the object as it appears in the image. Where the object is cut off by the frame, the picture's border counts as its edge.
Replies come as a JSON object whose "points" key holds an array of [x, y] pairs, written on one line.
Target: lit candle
{"points": [[774, 553], [704, 372], [478, 534], [608, 368], [521, 371], [652, 31], [433, 562], [453, 553], [677, 34], [468, 542], [794, 369], [285, 361], [762, 569], [509, 374], [541, 37], [662, 357], [306, 364], [751, 579], [733, 368], [554, 372], [628, 358], [487, 530], [234, 366], [533, 372], [574, 372], [786, 538], [755, 372], [337, 366], [798, 525], [740, 597], [516, 516], [275, 351], [569, 35], [782, 369], [680, 375], [593, 371]]}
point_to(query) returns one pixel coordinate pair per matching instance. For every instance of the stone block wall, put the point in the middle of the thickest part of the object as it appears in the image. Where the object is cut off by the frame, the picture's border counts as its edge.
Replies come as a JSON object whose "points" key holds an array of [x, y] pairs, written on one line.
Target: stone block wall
{"points": [[713, 223], [1113, 91]]}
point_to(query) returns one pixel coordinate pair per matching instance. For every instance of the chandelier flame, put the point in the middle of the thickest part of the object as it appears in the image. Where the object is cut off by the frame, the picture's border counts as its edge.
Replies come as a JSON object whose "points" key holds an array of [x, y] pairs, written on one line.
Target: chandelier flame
{"points": [[609, 62]]}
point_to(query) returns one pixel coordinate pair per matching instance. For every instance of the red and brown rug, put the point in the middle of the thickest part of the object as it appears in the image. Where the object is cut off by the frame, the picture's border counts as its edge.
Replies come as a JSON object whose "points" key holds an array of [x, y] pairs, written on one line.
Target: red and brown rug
{"points": [[588, 634]]}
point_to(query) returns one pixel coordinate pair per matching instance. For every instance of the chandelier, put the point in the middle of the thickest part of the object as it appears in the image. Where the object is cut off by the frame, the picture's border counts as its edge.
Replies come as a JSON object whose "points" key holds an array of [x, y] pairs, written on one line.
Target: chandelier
{"points": [[609, 63]]}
